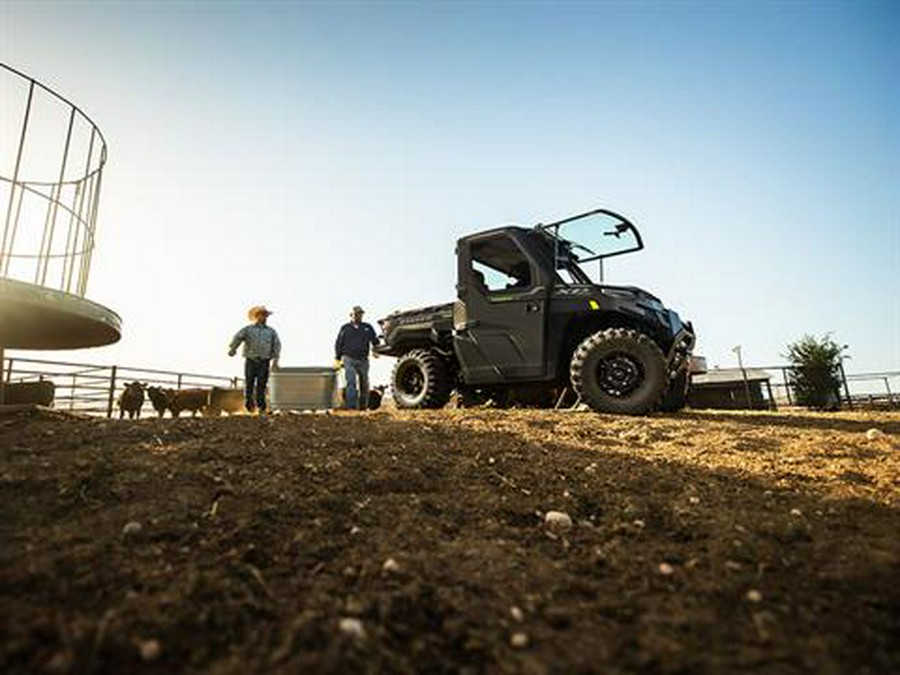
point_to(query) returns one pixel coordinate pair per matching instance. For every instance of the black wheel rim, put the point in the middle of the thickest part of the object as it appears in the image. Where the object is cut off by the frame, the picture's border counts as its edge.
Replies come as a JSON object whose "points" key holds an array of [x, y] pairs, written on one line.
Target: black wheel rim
{"points": [[411, 380], [619, 374]]}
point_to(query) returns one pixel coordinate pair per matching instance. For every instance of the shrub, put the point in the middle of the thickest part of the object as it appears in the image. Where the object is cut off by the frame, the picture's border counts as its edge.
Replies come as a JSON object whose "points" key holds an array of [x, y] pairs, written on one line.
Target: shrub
{"points": [[815, 375]]}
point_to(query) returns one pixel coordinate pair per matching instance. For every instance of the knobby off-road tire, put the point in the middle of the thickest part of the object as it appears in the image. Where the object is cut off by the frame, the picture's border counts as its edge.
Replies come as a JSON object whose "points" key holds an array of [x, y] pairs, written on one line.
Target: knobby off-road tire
{"points": [[675, 397], [420, 380], [619, 370]]}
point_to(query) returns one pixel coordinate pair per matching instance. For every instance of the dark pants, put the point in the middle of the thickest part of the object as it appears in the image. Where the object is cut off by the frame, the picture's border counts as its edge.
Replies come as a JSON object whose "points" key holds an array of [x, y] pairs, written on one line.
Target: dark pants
{"points": [[256, 377]]}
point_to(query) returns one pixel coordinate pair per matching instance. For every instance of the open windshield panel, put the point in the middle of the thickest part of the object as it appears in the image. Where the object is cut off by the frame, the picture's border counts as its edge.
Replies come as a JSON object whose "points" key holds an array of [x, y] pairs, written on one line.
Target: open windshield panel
{"points": [[594, 235]]}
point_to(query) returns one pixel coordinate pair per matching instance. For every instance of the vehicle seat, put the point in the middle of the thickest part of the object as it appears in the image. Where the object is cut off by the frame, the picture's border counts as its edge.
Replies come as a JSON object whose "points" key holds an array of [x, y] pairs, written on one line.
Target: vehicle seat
{"points": [[479, 282]]}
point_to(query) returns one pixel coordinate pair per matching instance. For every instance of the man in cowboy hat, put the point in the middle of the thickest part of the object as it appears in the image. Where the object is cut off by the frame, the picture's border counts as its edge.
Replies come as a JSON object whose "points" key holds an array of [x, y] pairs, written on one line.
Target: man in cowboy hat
{"points": [[261, 347], [351, 351]]}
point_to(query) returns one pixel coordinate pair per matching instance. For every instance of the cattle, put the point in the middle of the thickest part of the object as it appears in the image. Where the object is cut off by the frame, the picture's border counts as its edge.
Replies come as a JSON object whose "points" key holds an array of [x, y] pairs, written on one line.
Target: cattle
{"points": [[194, 400], [33, 393], [222, 400], [131, 400], [159, 397]]}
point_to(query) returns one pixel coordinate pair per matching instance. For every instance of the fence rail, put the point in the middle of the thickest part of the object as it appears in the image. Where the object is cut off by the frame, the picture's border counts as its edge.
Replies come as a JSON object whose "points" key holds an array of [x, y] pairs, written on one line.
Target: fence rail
{"points": [[93, 389], [862, 390]]}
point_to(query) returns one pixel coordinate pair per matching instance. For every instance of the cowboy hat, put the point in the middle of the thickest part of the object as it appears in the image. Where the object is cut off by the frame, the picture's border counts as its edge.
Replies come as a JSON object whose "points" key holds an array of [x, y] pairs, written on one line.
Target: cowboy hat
{"points": [[258, 310]]}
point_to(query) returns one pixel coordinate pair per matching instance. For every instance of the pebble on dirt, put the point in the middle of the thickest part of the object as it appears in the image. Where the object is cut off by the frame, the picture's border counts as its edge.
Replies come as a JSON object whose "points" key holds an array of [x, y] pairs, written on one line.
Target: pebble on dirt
{"points": [[390, 565], [558, 520], [666, 569], [754, 595], [519, 640], [132, 528], [353, 627], [874, 434], [150, 649]]}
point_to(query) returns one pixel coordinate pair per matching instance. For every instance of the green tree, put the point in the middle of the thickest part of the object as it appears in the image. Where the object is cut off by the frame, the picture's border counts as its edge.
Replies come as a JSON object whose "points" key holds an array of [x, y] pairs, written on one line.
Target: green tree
{"points": [[816, 373]]}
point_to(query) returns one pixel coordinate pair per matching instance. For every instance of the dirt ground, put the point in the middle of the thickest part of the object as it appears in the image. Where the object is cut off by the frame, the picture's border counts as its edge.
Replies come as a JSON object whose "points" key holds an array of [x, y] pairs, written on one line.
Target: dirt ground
{"points": [[394, 542]]}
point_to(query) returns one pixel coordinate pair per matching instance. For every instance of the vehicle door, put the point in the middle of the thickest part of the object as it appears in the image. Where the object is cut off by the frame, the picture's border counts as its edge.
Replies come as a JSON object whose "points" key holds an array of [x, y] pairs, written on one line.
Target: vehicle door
{"points": [[500, 314]]}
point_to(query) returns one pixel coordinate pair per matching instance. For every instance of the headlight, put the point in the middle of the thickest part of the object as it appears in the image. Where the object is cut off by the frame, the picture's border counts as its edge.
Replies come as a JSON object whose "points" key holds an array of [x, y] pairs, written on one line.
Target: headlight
{"points": [[621, 293]]}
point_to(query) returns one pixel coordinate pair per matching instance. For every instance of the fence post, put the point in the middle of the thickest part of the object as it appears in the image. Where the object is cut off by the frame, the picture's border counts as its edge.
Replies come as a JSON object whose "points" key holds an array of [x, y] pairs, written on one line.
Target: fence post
{"points": [[846, 388], [2, 383], [787, 385], [772, 404], [887, 386], [179, 380], [112, 392]]}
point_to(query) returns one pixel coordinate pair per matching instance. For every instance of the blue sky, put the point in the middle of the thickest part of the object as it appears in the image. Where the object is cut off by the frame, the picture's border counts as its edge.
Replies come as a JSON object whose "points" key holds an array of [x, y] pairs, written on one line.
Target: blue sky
{"points": [[312, 156]]}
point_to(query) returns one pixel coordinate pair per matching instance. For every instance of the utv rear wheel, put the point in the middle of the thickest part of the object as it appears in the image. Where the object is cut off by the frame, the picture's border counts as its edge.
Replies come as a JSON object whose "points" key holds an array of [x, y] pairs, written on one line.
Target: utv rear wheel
{"points": [[420, 380], [619, 370]]}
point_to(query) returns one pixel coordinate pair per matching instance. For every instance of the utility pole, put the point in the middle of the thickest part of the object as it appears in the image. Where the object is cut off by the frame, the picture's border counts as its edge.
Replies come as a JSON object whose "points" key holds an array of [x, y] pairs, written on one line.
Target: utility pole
{"points": [[737, 350]]}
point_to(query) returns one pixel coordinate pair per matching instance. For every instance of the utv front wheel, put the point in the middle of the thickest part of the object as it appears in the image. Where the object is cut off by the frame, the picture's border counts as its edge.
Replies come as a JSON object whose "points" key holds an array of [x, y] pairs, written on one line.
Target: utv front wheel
{"points": [[420, 380], [619, 370]]}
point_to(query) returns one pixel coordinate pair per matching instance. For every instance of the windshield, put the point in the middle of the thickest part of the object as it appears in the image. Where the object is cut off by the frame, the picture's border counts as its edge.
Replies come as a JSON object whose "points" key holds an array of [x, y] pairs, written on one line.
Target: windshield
{"points": [[593, 236]]}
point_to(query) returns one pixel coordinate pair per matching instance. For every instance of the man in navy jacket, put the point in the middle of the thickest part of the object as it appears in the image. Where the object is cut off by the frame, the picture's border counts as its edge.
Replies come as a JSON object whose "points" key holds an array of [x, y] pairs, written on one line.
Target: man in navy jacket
{"points": [[351, 351]]}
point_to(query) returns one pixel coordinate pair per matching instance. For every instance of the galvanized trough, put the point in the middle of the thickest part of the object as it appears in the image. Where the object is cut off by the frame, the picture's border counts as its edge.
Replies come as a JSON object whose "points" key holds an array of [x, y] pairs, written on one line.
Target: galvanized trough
{"points": [[304, 388]]}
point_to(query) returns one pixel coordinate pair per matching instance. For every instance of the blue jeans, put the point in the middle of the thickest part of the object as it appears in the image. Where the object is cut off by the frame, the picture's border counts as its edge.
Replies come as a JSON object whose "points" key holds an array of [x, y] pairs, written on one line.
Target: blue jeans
{"points": [[256, 377], [353, 368]]}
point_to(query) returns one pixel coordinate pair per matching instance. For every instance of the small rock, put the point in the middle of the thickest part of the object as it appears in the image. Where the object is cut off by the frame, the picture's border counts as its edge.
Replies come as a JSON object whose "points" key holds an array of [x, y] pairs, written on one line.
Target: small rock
{"points": [[150, 649], [874, 434], [733, 566], [60, 662], [796, 512], [132, 528], [390, 565], [517, 614], [519, 640], [694, 500], [352, 626], [558, 520], [666, 569], [754, 595]]}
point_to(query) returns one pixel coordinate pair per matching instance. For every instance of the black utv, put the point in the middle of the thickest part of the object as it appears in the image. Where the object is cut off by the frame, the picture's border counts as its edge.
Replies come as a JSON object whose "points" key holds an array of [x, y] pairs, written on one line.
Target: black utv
{"points": [[529, 324]]}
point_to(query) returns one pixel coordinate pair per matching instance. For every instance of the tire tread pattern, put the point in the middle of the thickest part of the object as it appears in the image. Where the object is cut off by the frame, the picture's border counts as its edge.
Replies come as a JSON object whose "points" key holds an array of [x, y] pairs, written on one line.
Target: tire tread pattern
{"points": [[436, 377], [580, 368]]}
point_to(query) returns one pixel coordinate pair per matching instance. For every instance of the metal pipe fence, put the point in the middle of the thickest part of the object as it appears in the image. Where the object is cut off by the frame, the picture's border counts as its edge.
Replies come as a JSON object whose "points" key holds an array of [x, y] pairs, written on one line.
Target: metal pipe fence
{"points": [[93, 389], [863, 390]]}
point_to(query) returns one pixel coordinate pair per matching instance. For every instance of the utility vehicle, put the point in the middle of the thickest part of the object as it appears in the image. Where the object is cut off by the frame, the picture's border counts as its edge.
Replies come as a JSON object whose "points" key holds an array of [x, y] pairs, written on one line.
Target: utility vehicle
{"points": [[530, 326]]}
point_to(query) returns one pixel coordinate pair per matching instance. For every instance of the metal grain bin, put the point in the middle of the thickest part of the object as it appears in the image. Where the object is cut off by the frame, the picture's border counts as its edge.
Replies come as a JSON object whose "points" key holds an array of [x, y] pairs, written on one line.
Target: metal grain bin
{"points": [[307, 388]]}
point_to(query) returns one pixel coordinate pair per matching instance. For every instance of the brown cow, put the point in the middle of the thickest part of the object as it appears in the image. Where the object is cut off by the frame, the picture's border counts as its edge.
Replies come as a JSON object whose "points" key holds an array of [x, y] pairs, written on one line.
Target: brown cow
{"points": [[38, 393], [159, 397], [187, 399], [131, 400], [222, 400]]}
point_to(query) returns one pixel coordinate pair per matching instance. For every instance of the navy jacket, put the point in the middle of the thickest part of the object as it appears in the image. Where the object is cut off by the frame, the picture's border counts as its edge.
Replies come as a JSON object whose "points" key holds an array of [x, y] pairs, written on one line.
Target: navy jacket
{"points": [[354, 339]]}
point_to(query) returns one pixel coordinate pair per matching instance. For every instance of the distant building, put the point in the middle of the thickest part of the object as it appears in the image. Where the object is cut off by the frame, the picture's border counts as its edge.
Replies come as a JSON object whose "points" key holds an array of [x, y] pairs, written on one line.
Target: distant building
{"points": [[732, 389]]}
